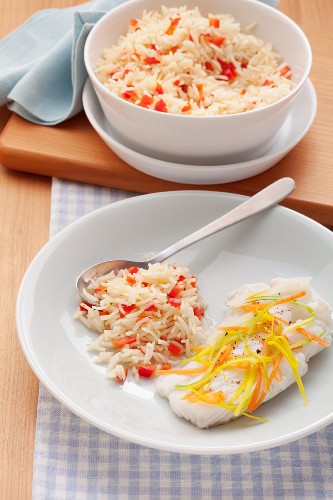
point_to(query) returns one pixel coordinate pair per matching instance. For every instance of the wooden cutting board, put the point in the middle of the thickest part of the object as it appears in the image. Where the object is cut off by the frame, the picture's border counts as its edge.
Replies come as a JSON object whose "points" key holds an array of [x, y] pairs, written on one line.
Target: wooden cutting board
{"points": [[74, 151]]}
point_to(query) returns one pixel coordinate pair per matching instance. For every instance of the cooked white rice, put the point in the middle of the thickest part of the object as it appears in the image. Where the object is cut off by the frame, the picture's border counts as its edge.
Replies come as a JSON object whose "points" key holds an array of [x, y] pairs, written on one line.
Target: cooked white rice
{"points": [[155, 314], [180, 62]]}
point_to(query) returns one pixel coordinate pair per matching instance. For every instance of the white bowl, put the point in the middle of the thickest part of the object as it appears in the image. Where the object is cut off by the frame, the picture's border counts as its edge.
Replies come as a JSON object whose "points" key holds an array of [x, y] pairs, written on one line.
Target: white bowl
{"points": [[201, 139]]}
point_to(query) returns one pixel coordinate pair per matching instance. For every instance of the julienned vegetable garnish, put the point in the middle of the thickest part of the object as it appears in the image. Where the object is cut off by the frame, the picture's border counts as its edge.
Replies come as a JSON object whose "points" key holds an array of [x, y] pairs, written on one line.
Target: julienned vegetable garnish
{"points": [[257, 380], [261, 347]]}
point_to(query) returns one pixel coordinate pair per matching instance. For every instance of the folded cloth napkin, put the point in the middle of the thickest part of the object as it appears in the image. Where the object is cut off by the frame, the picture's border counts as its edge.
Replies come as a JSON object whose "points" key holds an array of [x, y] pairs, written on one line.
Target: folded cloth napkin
{"points": [[42, 70]]}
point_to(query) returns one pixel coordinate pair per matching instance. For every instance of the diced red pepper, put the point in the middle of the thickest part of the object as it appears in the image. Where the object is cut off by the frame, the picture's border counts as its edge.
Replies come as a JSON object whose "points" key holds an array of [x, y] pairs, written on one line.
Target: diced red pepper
{"points": [[181, 278], [285, 70], [174, 292], [174, 348], [151, 60], [159, 88], [199, 312], [120, 343], [120, 379], [193, 281], [209, 66], [228, 69], [144, 283], [151, 308], [146, 101], [146, 370], [100, 289], [172, 26], [267, 83], [161, 106], [174, 49], [133, 22], [126, 71], [130, 279], [218, 40], [213, 21], [175, 302], [127, 309], [82, 308], [133, 270], [176, 82], [214, 39], [184, 88], [142, 316], [199, 86], [130, 95], [242, 92], [186, 108], [103, 313]]}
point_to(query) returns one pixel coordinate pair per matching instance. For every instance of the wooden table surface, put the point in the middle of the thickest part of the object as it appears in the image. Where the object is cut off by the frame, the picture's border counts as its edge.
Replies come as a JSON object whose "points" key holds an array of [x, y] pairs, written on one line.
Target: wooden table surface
{"points": [[25, 209]]}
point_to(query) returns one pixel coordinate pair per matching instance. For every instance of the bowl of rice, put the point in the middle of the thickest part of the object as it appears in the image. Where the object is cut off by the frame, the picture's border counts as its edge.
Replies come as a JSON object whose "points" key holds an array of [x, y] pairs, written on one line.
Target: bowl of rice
{"points": [[197, 83]]}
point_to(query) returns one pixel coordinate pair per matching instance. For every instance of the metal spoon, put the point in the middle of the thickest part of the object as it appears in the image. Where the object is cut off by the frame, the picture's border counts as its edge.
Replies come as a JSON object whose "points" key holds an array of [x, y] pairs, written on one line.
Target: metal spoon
{"points": [[264, 199]]}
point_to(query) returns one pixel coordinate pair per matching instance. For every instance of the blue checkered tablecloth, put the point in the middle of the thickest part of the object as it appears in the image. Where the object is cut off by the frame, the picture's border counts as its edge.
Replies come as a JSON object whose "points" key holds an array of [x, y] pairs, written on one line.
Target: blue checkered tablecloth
{"points": [[74, 460]]}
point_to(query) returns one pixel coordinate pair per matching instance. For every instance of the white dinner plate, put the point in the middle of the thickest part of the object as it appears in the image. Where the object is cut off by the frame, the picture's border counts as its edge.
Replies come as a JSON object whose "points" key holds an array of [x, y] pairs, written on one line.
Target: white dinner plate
{"points": [[279, 242], [294, 129]]}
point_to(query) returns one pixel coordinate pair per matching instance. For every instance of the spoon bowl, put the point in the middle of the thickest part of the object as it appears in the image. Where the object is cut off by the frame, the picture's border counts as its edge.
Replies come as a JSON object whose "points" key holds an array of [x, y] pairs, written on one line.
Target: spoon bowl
{"points": [[264, 199]]}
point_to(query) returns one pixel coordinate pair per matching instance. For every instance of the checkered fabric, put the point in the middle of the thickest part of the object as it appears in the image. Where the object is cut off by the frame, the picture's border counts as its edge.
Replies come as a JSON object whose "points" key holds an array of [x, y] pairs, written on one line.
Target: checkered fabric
{"points": [[74, 460]]}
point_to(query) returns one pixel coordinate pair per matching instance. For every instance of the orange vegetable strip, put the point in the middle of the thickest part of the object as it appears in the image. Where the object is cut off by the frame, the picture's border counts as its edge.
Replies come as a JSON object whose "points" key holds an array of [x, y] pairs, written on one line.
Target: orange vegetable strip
{"points": [[224, 356], [243, 366], [189, 371], [304, 332], [290, 298], [260, 400], [276, 369], [166, 366], [234, 327], [264, 349], [254, 306], [256, 391]]}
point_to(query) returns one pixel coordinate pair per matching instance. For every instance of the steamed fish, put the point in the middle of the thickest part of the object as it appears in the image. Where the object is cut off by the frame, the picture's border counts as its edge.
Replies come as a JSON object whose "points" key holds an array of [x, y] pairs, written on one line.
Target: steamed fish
{"points": [[262, 346]]}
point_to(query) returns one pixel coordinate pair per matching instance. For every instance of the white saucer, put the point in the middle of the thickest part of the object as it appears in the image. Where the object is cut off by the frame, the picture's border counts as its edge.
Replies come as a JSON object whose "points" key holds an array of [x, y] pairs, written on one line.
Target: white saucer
{"points": [[292, 132]]}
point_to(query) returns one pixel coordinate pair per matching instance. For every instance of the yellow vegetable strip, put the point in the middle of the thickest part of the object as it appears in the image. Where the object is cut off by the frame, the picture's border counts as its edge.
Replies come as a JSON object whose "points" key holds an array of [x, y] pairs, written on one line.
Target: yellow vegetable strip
{"points": [[244, 400], [196, 348], [293, 365]]}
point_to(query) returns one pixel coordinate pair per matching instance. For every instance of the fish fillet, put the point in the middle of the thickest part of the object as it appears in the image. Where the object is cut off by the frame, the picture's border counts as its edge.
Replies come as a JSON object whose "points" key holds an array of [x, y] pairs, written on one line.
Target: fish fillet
{"points": [[227, 381]]}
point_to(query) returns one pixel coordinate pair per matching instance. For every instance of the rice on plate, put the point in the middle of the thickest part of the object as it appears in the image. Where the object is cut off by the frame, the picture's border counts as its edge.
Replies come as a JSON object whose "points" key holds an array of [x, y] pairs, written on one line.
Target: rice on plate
{"points": [[146, 319], [180, 62]]}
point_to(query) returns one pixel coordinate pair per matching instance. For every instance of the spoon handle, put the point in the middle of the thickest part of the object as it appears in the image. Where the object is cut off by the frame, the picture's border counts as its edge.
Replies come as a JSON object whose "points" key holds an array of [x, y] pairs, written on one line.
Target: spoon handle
{"points": [[262, 200]]}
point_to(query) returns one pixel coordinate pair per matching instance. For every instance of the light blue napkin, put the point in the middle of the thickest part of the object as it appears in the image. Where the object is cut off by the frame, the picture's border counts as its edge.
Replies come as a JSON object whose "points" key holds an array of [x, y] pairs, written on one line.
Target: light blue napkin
{"points": [[42, 71]]}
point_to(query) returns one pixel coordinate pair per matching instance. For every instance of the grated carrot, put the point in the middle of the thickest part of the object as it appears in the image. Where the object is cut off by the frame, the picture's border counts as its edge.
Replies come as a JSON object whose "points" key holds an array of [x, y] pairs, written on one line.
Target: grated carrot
{"points": [[253, 401], [304, 332], [189, 371]]}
